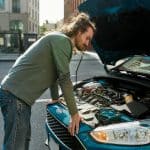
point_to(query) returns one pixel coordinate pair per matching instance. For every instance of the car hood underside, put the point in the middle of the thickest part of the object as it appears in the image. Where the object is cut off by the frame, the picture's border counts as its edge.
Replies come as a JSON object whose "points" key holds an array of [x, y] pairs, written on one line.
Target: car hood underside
{"points": [[122, 27]]}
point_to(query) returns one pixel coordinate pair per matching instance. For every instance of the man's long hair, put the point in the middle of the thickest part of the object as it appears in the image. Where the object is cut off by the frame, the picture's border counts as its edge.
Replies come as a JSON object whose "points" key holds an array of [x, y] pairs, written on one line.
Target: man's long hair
{"points": [[79, 23]]}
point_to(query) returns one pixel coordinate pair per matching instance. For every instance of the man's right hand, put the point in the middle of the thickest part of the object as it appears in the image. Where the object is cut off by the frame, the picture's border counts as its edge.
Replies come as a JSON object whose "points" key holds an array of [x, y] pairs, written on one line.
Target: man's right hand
{"points": [[74, 124]]}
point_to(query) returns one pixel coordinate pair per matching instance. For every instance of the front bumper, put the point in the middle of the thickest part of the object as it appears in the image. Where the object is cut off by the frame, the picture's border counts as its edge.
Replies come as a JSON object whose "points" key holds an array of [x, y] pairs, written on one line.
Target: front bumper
{"points": [[56, 127]]}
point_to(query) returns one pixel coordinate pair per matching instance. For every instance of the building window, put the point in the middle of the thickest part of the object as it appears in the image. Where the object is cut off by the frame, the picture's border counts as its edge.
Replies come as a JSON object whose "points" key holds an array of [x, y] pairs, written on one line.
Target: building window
{"points": [[2, 4], [16, 6], [16, 25]]}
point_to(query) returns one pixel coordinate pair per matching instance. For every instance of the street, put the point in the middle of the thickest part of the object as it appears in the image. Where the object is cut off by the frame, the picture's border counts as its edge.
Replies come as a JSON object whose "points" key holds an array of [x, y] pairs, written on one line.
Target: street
{"points": [[90, 66]]}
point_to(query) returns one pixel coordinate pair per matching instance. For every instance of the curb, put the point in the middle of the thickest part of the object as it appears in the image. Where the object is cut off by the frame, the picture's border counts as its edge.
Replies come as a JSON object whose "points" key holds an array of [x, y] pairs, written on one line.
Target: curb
{"points": [[8, 57]]}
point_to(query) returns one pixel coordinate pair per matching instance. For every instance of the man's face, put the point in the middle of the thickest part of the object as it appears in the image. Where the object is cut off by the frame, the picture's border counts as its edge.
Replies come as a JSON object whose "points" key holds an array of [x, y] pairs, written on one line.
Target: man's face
{"points": [[82, 40]]}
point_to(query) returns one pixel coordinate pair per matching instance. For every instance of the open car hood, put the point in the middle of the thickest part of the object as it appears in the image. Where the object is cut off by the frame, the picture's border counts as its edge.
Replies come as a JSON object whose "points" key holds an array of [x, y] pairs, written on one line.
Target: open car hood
{"points": [[123, 27]]}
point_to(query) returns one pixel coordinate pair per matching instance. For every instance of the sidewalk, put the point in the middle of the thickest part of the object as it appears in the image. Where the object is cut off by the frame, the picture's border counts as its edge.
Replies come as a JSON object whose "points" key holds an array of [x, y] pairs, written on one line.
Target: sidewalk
{"points": [[8, 57]]}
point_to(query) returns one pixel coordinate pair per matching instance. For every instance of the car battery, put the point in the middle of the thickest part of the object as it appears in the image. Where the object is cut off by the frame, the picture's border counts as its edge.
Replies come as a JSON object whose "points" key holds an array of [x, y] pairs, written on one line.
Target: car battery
{"points": [[109, 116]]}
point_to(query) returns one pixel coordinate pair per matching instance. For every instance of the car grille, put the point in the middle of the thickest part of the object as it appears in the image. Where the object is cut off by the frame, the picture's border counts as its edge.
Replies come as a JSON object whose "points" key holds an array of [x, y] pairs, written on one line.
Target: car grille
{"points": [[62, 133]]}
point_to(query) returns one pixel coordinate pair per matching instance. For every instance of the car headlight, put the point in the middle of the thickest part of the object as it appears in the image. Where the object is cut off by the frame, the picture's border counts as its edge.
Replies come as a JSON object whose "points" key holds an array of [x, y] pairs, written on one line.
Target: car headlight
{"points": [[131, 133]]}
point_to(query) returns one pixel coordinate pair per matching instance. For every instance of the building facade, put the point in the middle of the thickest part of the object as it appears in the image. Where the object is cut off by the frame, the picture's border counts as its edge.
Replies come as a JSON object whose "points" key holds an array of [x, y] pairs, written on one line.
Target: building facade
{"points": [[71, 7], [19, 15], [75, 4]]}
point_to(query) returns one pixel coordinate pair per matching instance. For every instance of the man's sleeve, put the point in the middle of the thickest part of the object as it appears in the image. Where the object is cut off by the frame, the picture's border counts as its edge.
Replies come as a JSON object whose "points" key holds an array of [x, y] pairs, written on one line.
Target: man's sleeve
{"points": [[61, 54], [54, 91]]}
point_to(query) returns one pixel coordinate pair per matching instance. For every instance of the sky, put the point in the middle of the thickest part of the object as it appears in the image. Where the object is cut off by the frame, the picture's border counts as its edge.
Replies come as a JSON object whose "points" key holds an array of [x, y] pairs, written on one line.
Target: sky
{"points": [[51, 10]]}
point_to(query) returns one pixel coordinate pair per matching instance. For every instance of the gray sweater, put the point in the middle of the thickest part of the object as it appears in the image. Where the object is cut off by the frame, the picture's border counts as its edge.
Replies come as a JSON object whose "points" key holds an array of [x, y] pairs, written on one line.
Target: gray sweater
{"points": [[43, 65]]}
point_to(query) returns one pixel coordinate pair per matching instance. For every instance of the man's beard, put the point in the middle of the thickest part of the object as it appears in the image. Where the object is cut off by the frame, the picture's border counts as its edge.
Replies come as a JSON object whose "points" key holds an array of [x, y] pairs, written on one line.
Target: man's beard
{"points": [[81, 48], [79, 45]]}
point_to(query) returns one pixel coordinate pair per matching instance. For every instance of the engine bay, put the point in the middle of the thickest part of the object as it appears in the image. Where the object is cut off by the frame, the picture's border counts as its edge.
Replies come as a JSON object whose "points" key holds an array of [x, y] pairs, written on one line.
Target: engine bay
{"points": [[104, 101]]}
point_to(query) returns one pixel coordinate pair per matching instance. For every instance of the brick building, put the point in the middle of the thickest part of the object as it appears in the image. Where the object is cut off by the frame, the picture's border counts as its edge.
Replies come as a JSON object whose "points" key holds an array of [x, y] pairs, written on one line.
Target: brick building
{"points": [[70, 7]]}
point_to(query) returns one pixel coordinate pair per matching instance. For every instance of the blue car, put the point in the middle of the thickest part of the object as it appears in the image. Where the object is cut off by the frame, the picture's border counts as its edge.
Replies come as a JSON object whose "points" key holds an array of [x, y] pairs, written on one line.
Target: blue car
{"points": [[115, 107]]}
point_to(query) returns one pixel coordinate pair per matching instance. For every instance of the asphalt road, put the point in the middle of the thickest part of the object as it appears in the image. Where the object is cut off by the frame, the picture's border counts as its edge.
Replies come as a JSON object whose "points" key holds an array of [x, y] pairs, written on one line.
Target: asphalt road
{"points": [[89, 66]]}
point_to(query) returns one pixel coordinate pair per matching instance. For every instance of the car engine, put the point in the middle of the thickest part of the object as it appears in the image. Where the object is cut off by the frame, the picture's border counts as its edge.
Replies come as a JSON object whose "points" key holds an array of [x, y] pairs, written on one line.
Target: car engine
{"points": [[104, 101]]}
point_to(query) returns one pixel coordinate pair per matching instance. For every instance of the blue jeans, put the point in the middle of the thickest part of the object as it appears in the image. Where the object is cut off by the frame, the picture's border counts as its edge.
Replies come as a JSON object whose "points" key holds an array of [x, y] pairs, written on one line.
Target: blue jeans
{"points": [[16, 115]]}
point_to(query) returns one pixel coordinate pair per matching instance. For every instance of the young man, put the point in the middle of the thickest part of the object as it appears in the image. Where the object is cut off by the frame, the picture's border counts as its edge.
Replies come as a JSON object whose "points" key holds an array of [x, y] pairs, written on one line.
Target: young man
{"points": [[44, 65]]}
